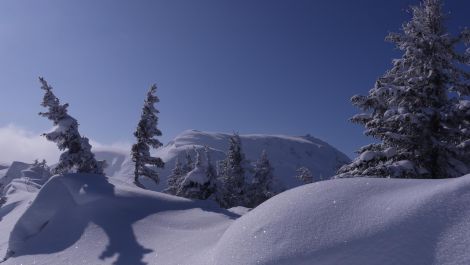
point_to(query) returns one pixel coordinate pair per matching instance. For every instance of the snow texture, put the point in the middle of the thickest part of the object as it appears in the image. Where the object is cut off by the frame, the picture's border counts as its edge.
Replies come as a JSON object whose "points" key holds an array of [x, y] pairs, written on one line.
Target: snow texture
{"points": [[83, 219]]}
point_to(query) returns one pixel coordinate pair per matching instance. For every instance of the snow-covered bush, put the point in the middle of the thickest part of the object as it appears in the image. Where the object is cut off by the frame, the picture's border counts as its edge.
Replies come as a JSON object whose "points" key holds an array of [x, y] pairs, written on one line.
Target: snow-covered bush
{"points": [[78, 157], [145, 134], [417, 110]]}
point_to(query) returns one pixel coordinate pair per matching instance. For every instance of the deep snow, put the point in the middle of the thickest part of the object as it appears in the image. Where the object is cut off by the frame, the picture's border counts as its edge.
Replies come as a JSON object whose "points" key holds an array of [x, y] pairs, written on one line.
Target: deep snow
{"points": [[84, 219]]}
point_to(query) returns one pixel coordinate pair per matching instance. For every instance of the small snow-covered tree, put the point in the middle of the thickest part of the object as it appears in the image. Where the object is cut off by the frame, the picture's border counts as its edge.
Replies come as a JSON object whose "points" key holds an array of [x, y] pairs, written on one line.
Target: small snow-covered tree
{"points": [[145, 134], [78, 156], [175, 179], [194, 179], [211, 174], [414, 110], [189, 163], [199, 183], [41, 169], [231, 180], [305, 175], [260, 188]]}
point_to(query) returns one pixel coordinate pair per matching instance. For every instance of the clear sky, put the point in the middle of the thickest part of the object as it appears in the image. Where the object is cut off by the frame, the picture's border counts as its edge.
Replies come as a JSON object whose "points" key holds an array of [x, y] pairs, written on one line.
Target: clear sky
{"points": [[252, 66]]}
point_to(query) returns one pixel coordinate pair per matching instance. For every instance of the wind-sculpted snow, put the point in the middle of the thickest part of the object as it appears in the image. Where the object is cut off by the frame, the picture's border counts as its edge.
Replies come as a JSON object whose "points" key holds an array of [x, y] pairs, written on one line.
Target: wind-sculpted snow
{"points": [[356, 222], [84, 219], [19, 193]]}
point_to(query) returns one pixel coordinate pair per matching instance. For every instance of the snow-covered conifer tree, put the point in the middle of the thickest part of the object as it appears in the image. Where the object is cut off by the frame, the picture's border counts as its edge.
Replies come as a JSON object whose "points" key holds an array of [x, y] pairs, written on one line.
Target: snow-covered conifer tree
{"points": [[191, 186], [189, 163], [78, 156], [41, 169], [305, 175], [260, 188], [145, 134], [210, 173], [175, 179], [414, 109], [231, 181], [199, 183]]}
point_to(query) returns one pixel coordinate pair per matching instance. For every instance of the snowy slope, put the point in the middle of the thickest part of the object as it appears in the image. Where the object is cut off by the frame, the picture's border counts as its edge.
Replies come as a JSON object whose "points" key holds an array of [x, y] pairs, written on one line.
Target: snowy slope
{"points": [[286, 154], [14, 171], [83, 219], [20, 194], [114, 160], [356, 222]]}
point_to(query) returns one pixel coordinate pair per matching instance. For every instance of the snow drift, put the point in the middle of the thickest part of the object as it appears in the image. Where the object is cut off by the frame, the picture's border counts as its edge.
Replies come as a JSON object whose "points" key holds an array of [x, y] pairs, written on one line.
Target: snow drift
{"points": [[356, 222], [20, 192], [84, 219]]}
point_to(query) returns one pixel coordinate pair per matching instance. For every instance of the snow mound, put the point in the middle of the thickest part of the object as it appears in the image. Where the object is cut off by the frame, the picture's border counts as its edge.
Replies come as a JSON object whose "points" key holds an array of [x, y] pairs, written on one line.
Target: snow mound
{"points": [[355, 222], [84, 219], [89, 219], [19, 194], [286, 154]]}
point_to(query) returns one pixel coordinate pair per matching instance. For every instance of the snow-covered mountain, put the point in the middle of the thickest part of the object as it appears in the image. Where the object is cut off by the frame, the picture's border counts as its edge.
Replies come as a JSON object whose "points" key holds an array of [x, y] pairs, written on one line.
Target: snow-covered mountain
{"points": [[84, 219], [286, 154]]}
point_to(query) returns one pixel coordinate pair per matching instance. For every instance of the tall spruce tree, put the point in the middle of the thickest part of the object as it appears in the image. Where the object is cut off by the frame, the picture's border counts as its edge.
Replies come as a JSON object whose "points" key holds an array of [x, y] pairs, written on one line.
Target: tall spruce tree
{"points": [[415, 109], [145, 134], [78, 157], [231, 181]]}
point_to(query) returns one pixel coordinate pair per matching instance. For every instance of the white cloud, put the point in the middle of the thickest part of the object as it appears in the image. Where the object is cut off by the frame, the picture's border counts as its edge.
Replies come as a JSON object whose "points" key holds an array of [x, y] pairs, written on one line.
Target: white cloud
{"points": [[18, 144], [120, 147]]}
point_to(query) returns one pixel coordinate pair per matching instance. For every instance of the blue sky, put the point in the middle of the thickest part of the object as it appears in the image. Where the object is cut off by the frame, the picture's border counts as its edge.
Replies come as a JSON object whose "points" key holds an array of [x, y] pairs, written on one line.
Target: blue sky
{"points": [[252, 66]]}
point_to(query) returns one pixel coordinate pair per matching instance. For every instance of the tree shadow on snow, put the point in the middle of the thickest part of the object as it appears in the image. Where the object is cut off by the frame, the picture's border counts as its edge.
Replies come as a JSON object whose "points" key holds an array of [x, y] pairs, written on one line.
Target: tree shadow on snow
{"points": [[96, 201]]}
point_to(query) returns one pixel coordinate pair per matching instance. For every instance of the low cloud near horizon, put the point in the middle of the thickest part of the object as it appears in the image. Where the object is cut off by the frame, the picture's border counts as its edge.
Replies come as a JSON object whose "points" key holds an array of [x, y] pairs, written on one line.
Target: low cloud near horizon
{"points": [[18, 144]]}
